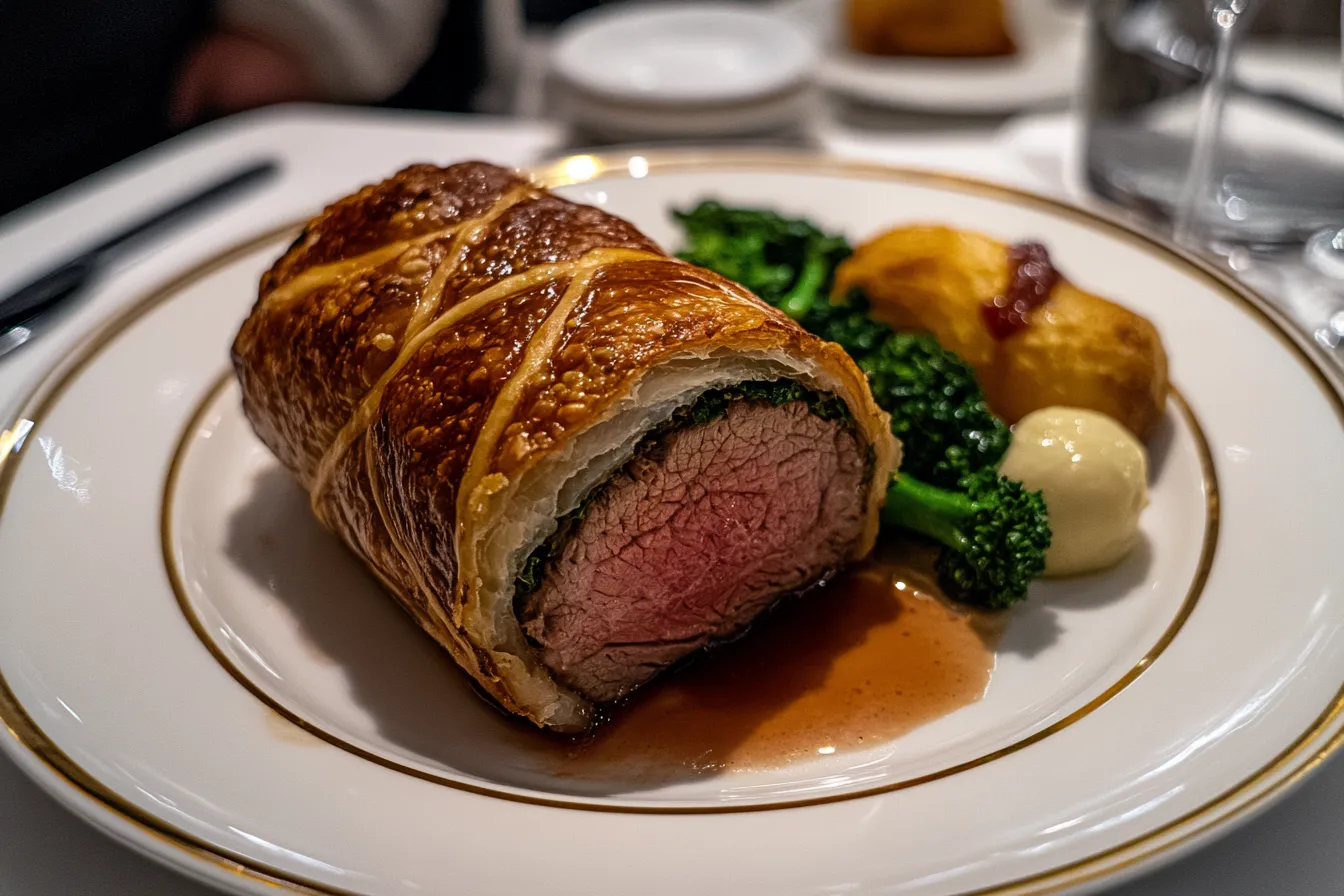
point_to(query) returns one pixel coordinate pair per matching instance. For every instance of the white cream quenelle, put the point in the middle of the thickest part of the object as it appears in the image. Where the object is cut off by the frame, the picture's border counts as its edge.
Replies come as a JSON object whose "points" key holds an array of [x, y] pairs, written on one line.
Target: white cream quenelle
{"points": [[1093, 474]]}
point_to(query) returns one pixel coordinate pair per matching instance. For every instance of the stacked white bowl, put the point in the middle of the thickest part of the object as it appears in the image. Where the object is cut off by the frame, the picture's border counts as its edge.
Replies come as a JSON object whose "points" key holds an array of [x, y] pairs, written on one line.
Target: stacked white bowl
{"points": [[681, 70]]}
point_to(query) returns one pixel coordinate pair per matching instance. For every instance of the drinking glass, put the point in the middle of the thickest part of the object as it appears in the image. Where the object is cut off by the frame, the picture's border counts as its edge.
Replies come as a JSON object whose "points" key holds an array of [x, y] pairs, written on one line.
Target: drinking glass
{"points": [[1177, 131], [1325, 249]]}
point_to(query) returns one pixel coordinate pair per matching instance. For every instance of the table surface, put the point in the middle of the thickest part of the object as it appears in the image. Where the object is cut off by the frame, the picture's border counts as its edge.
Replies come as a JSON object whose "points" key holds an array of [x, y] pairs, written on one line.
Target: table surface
{"points": [[1293, 849]]}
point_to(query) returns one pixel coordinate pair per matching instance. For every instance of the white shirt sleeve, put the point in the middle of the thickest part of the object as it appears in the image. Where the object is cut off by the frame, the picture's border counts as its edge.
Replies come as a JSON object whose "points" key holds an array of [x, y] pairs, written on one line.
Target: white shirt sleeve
{"points": [[360, 50]]}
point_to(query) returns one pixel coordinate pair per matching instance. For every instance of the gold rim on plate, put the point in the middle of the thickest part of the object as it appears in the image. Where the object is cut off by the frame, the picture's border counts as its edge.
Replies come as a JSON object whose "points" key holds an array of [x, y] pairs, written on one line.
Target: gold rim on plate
{"points": [[1287, 768], [1208, 547]]}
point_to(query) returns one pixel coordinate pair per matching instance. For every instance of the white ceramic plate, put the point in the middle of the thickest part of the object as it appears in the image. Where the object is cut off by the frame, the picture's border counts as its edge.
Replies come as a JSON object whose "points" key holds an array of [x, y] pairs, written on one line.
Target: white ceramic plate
{"points": [[1050, 35], [682, 53], [189, 663]]}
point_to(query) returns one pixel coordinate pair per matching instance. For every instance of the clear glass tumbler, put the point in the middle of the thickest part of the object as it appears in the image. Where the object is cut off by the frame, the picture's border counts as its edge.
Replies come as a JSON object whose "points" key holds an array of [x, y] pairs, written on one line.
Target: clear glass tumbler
{"points": [[1325, 249], [1267, 167]]}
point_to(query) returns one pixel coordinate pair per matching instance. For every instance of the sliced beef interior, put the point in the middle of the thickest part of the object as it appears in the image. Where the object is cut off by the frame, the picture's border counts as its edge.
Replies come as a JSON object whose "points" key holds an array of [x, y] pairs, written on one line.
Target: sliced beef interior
{"points": [[698, 534]]}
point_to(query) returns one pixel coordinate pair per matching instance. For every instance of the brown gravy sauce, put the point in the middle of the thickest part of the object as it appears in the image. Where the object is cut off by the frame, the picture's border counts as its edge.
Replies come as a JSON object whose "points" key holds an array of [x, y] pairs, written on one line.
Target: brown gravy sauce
{"points": [[1031, 277], [860, 661]]}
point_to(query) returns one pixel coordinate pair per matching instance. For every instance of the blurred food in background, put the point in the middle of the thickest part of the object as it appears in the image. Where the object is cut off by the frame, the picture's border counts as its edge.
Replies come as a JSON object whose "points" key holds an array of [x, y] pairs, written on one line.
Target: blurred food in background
{"points": [[929, 28]]}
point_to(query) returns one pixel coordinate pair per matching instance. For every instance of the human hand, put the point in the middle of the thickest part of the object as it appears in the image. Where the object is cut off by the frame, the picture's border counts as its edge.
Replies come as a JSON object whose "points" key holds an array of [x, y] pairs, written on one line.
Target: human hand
{"points": [[232, 71]]}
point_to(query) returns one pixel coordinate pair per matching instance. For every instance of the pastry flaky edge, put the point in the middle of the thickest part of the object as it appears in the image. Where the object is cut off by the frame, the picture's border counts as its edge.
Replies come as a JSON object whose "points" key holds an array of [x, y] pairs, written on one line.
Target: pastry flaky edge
{"points": [[448, 360]]}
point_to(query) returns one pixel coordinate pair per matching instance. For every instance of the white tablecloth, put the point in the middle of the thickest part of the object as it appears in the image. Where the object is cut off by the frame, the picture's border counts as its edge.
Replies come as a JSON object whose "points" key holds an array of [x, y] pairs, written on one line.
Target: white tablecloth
{"points": [[1292, 850]]}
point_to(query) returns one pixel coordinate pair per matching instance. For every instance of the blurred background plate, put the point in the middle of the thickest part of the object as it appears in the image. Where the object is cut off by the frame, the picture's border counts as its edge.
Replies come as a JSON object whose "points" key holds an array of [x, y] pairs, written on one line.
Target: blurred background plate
{"points": [[1046, 68], [682, 53], [680, 70]]}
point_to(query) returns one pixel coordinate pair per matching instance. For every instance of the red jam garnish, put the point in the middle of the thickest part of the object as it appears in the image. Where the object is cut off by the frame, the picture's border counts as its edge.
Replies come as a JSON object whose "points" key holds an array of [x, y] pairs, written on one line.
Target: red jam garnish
{"points": [[1031, 278]]}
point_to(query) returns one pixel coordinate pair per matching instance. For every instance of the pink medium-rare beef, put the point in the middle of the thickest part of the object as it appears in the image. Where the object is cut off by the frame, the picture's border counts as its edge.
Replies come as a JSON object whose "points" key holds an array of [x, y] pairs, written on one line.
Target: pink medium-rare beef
{"points": [[695, 537]]}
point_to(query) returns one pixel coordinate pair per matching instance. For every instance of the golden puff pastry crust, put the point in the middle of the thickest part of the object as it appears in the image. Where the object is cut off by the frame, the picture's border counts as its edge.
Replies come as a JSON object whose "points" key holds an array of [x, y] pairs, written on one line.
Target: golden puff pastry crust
{"points": [[446, 360]]}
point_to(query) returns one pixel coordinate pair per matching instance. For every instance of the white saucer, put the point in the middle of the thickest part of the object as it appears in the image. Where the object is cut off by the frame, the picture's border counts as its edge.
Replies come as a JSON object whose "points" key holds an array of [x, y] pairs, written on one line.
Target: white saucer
{"points": [[682, 53]]}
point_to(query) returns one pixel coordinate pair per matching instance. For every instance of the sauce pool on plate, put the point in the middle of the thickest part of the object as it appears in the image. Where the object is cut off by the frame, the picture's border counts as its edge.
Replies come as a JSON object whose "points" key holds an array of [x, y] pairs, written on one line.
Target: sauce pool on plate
{"points": [[858, 662]]}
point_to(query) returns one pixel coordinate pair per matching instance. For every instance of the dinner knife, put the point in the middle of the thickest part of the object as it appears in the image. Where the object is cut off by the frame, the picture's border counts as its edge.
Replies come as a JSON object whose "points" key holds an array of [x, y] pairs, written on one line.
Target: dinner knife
{"points": [[69, 277]]}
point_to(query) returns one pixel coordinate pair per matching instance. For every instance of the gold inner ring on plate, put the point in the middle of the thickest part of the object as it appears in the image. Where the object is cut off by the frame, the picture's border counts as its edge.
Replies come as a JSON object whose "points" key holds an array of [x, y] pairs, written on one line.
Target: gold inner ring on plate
{"points": [[1208, 547], [1305, 753]]}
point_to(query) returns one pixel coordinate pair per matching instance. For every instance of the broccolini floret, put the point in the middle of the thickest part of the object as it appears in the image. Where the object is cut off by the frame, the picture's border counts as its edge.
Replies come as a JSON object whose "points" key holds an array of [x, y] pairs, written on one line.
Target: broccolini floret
{"points": [[788, 262], [937, 409], [994, 534], [936, 406]]}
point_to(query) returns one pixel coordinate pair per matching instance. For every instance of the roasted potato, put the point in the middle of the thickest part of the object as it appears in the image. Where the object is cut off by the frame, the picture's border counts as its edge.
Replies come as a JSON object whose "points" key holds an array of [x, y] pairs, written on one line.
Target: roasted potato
{"points": [[1076, 349], [929, 28]]}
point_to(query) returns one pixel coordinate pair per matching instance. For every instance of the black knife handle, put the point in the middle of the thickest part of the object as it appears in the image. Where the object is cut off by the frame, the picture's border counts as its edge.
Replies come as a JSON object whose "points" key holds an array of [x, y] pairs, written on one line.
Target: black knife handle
{"points": [[71, 275], [253, 173], [47, 290]]}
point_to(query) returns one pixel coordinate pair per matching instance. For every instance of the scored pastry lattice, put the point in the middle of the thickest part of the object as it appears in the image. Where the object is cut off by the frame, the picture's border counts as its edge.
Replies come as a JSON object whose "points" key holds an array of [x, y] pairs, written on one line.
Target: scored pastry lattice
{"points": [[428, 320], [491, 366]]}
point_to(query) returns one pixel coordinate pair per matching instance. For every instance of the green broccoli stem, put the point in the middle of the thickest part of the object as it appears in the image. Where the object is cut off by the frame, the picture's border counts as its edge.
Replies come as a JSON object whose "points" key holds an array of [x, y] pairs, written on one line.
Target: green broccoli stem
{"points": [[798, 301], [994, 534], [928, 510]]}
